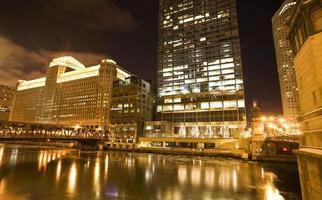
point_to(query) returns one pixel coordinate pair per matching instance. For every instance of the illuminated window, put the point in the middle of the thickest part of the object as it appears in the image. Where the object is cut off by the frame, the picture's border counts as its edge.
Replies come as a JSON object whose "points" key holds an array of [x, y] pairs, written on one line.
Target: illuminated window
{"points": [[178, 68], [228, 65], [212, 73], [204, 105], [189, 81], [167, 74], [177, 100], [167, 69], [213, 67], [168, 101], [190, 106], [167, 108], [216, 104], [241, 103], [229, 82], [230, 104], [199, 80], [228, 71], [178, 107], [226, 60]]}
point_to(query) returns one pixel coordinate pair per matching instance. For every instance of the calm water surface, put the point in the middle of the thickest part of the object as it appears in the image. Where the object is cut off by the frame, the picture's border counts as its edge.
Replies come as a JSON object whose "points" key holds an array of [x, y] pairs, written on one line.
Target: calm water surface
{"points": [[40, 173]]}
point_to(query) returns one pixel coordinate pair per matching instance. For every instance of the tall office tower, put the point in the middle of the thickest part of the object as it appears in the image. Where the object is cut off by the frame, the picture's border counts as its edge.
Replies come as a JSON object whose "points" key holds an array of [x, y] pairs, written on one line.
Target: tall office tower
{"points": [[200, 81], [284, 58]]}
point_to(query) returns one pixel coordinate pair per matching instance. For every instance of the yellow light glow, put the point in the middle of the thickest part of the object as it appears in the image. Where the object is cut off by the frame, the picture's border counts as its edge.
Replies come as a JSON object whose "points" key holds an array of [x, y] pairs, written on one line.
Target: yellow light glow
{"points": [[195, 176], [40, 158], [72, 178], [58, 170], [106, 166], [182, 174], [97, 170], [281, 120], [271, 125], [79, 74], [67, 61], [272, 194], [209, 177], [109, 61], [3, 184], [1, 154], [24, 85]]}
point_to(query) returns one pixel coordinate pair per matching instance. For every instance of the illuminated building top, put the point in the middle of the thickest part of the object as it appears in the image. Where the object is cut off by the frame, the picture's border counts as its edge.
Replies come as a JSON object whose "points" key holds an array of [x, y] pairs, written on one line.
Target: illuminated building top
{"points": [[79, 72], [287, 6], [75, 95], [67, 61]]}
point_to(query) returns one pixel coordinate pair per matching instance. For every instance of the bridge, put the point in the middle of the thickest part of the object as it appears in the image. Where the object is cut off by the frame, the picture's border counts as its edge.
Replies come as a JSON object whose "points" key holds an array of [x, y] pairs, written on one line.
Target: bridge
{"points": [[278, 134], [275, 144], [47, 132]]}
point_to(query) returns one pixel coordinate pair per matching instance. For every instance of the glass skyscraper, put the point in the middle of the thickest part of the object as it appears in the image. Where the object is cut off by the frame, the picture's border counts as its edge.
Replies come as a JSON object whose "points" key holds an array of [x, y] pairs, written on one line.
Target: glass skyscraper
{"points": [[200, 80]]}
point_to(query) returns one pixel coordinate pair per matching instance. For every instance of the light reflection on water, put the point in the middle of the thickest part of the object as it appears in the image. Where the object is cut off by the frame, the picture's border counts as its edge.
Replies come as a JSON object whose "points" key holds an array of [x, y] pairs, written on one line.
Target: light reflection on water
{"points": [[33, 173], [72, 177], [58, 170]]}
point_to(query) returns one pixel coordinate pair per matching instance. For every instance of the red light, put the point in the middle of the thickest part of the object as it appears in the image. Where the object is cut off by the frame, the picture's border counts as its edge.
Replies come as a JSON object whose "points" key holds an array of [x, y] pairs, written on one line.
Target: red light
{"points": [[285, 149]]}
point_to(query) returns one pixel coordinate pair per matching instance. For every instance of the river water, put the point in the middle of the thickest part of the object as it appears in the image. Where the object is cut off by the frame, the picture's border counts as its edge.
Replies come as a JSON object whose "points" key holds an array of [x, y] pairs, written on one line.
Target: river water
{"points": [[28, 172]]}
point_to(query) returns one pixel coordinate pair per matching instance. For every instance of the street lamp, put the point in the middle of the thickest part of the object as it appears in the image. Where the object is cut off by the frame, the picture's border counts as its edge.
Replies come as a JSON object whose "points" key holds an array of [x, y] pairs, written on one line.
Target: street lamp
{"points": [[77, 127]]}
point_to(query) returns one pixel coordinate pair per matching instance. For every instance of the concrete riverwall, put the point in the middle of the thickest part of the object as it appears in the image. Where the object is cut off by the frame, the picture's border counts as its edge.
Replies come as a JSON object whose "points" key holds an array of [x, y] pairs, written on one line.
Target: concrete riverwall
{"points": [[310, 170]]}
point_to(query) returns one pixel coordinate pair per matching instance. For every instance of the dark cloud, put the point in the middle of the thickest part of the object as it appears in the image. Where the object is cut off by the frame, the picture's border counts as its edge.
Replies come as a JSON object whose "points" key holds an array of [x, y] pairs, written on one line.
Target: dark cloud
{"points": [[91, 14], [17, 62]]}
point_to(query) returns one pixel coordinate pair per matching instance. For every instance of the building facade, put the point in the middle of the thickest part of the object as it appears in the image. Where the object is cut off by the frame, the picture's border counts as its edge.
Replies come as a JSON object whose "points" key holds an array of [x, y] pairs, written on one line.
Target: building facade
{"points": [[131, 106], [306, 41], [72, 94], [5, 101], [200, 80], [284, 58]]}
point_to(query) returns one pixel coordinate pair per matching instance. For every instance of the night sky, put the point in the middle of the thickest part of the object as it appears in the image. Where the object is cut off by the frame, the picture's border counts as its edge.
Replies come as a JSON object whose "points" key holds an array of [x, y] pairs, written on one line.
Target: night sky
{"points": [[33, 32]]}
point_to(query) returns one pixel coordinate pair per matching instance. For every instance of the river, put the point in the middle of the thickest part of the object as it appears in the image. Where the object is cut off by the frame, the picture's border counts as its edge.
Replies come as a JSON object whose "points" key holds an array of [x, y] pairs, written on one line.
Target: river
{"points": [[40, 173]]}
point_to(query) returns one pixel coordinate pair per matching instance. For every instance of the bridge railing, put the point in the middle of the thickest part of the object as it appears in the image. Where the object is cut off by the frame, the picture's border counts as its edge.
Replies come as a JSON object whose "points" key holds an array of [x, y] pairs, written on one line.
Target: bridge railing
{"points": [[25, 130]]}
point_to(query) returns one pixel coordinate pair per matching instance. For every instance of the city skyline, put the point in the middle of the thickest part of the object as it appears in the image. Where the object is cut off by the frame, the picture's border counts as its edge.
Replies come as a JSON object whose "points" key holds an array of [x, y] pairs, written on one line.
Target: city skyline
{"points": [[33, 45], [162, 99]]}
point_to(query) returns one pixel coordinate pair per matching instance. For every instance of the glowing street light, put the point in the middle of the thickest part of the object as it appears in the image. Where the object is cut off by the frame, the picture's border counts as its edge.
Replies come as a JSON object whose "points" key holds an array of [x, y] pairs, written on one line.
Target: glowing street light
{"points": [[281, 120], [271, 125], [77, 127]]}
